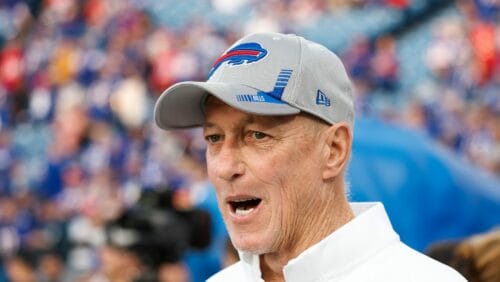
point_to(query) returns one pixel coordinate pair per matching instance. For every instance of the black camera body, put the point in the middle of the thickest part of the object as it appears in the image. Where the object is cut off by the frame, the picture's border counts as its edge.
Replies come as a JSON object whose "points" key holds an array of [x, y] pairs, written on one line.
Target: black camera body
{"points": [[157, 232]]}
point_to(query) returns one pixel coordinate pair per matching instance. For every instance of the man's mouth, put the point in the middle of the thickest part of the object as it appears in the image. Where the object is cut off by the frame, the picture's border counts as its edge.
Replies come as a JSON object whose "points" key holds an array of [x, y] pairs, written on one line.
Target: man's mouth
{"points": [[244, 206]]}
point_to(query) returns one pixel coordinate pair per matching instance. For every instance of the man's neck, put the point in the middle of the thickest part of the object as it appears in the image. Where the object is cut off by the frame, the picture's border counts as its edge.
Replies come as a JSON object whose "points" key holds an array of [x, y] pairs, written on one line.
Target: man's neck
{"points": [[332, 217]]}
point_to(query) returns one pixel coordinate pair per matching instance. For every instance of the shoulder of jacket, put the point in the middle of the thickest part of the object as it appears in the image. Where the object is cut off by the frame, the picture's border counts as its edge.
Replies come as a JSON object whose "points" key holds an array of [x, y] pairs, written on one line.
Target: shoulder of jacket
{"points": [[429, 269]]}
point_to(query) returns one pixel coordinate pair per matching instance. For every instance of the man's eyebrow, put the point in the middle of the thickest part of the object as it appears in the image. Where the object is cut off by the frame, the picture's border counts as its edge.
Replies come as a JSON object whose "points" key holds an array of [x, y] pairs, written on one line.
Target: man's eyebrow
{"points": [[208, 125], [248, 120], [274, 121]]}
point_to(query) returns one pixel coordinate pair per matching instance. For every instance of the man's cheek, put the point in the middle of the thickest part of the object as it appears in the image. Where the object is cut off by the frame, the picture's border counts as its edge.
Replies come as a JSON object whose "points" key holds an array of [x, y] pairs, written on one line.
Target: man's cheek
{"points": [[210, 170]]}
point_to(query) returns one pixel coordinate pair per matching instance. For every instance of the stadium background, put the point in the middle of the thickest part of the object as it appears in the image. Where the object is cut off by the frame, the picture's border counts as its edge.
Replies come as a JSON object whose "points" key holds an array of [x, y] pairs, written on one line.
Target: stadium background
{"points": [[81, 161]]}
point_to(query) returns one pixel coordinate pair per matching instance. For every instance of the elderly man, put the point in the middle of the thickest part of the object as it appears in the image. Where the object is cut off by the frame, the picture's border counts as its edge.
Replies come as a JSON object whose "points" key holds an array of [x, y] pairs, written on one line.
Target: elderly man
{"points": [[277, 114]]}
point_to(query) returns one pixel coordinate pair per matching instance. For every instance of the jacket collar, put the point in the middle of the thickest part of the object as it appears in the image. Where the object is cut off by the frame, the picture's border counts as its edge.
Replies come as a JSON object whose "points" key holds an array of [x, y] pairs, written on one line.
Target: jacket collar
{"points": [[340, 251]]}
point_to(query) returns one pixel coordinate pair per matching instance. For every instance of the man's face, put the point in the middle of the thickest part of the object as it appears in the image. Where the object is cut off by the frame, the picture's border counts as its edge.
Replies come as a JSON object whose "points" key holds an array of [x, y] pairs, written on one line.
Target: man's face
{"points": [[265, 170]]}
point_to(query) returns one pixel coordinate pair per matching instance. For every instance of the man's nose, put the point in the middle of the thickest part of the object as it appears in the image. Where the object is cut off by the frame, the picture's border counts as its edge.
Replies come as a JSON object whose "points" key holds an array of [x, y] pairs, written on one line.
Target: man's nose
{"points": [[228, 165]]}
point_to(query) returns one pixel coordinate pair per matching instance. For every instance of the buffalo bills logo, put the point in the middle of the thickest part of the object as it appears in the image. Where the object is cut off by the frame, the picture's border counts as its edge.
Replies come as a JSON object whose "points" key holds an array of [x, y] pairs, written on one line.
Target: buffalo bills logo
{"points": [[243, 53]]}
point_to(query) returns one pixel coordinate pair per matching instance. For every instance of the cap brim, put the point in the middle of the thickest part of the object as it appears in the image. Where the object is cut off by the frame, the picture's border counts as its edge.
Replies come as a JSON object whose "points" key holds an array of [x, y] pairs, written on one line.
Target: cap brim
{"points": [[183, 104]]}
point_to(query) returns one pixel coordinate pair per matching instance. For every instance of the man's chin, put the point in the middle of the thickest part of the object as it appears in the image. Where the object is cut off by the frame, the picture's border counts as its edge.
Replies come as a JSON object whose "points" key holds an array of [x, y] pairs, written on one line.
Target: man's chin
{"points": [[252, 251], [249, 247]]}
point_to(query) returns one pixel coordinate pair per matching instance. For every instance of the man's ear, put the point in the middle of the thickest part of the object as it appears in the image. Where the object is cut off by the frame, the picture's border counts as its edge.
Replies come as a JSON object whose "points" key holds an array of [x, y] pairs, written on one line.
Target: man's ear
{"points": [[338, 149]]}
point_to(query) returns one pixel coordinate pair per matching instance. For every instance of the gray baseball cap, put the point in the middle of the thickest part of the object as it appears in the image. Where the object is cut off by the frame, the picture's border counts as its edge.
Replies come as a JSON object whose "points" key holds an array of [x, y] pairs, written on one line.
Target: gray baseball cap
{"points": [[264, 74]]}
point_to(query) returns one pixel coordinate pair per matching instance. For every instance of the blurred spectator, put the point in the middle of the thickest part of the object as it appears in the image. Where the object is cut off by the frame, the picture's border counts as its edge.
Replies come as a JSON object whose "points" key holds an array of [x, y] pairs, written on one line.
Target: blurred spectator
{"points": [[11, 67], [477, 257], [51, 269], [19, 269], [358, 59], [384, 64], [173, 272], [118, 264]]}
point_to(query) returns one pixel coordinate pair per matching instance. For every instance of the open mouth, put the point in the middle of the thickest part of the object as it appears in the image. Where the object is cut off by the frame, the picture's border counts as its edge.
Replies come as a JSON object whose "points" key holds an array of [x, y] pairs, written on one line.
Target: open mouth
{"points": [[244, 206]]}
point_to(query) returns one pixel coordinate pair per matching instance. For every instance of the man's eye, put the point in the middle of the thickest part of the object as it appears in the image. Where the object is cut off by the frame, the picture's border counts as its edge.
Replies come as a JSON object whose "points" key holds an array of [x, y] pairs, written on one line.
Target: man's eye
{"points": [[258, 135], [214, 138]]}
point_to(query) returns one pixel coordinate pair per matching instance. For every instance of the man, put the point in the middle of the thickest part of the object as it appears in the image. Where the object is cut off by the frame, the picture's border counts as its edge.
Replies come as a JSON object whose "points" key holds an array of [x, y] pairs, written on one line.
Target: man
{"points": [[277, 114]]}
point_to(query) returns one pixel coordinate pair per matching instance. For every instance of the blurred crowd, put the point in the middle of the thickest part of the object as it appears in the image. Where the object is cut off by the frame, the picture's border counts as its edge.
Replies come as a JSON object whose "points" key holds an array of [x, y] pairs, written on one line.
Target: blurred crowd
{"points": [[78, 80], [460, 107]]}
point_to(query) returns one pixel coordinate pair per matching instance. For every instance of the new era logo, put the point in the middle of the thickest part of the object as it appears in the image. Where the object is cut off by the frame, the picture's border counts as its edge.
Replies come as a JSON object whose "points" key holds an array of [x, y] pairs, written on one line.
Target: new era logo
{"points": [[321, 99]]}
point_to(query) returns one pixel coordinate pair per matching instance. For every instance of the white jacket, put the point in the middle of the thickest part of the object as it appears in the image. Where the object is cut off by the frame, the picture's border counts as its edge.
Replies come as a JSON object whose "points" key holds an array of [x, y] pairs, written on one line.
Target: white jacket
{"points": [[365, 249]]}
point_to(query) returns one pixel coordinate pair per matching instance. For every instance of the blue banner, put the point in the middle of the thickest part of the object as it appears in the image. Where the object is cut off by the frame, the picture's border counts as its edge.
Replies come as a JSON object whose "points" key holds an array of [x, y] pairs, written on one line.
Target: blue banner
{"points": [[429, 192]]}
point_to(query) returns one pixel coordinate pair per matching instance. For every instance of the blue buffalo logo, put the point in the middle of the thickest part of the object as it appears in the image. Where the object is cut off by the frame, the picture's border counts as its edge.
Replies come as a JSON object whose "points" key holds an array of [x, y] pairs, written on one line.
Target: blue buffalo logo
{"points": [[245, 53]]}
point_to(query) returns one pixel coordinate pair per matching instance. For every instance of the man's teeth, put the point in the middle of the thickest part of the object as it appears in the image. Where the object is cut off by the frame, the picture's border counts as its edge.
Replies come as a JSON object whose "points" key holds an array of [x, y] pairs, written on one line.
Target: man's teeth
{"points": [[245, 206], [244, 200], [242, 211]]}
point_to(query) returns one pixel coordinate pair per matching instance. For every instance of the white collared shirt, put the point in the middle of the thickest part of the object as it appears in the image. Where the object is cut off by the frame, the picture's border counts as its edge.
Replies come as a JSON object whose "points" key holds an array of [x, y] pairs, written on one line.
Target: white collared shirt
{"points": [[365, 249]]}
